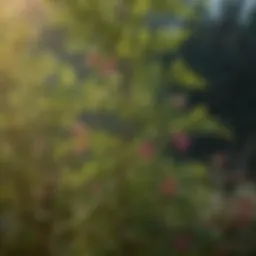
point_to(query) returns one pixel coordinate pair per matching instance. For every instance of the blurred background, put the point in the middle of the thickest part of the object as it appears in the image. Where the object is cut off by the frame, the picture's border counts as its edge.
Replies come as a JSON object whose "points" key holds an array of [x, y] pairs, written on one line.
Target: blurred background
{"points": [[127, 127]]}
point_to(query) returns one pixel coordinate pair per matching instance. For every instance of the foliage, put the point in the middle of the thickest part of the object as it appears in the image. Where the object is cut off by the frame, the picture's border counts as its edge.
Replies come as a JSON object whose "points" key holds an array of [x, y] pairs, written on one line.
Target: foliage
{"points": [[70, 188]]}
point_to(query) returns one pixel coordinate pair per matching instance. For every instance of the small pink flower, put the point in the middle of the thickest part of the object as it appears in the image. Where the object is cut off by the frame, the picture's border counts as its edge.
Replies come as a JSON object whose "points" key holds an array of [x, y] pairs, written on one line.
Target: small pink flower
{"points": [[168, 187], [181, 141], [147, 150]]}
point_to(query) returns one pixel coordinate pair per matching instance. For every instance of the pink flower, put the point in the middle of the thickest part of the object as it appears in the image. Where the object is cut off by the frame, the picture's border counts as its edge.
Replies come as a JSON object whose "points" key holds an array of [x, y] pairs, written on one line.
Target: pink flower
{"points": [[147, 150], [181, 141], [168, 187]]}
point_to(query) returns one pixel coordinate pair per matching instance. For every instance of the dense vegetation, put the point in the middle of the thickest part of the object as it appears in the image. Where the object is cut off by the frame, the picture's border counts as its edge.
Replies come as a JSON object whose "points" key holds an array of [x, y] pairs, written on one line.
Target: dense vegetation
{"points": [[222, 51], [86, 156]]}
